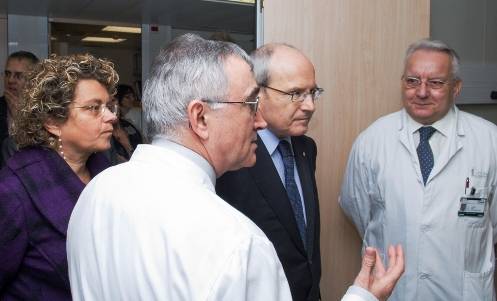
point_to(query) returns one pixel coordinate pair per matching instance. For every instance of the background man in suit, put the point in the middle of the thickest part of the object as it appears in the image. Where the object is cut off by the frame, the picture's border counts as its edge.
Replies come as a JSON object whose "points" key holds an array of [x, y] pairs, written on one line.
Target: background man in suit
{"points": [[16, 66], [279, 193]]}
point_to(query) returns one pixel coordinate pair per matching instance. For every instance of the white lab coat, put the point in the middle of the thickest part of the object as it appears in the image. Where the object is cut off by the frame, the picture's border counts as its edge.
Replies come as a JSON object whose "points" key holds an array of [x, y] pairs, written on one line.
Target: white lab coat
{"points": [[154, 229], [448, 257]]}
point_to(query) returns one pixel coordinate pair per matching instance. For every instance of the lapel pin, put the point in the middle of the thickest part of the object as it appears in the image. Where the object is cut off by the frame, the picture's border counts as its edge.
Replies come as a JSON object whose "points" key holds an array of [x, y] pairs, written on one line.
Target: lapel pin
{"points": [[303, 154]]}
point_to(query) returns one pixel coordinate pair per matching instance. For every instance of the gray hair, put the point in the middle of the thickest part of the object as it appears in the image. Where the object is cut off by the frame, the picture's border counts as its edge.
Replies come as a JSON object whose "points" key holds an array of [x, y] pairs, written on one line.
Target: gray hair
{"points": [[438, 46], [189, 68], [261, 58]]}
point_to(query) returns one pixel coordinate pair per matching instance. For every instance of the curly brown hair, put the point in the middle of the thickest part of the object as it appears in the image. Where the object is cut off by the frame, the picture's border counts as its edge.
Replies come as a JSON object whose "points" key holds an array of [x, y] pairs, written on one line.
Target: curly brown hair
{"points": [[49, 90]]}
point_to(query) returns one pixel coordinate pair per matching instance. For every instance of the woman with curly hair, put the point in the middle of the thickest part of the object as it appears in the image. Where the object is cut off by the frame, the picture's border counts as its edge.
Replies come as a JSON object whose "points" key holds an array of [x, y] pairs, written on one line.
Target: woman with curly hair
{"points": [[64, 120]]}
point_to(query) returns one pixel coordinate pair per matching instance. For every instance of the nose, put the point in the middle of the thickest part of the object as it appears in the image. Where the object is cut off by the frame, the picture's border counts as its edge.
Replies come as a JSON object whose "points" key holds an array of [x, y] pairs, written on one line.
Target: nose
{"points": [[11, 79], [308, 104], [108, 116], [259, 122], [422, 90]]}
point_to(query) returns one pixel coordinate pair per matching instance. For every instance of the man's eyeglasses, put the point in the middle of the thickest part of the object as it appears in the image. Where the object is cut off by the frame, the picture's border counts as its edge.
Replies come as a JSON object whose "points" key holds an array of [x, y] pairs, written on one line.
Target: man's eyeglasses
{"points": [[98, 110], [300, 96], [15, 75], [413, 82], [253, 104]]}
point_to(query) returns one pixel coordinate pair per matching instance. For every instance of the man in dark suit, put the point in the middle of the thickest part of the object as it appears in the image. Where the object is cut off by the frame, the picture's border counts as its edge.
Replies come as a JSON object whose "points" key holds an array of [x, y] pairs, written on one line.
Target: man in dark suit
{"points": [[16, 66], [279, 193]]}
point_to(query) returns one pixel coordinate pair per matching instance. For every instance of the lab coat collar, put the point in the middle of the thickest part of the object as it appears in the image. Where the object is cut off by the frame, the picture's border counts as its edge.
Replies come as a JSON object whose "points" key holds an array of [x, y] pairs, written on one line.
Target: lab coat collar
{"points": [[188, 154], [442, 125]]}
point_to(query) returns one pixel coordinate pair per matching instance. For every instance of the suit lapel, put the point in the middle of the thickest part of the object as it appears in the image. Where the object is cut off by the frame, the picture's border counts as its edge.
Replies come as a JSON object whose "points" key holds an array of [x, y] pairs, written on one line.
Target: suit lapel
{"points": [[306, 182], [268, 181]]}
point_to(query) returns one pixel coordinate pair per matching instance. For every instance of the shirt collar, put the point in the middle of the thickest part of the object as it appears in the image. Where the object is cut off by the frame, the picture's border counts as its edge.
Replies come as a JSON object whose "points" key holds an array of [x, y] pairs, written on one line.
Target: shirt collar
{"points": [[189, 154], [442, 125], [270, 140]]}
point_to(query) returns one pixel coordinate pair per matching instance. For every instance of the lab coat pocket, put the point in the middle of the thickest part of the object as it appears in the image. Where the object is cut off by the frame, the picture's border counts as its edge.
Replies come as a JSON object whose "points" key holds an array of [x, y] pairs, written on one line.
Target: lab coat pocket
{"points": [[478, 268], [478, 286]]}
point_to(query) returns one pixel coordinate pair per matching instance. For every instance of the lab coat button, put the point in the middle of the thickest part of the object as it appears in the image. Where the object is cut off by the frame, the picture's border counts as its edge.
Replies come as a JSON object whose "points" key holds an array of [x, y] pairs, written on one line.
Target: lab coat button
{"points": [[424, 276], [425, 228]]}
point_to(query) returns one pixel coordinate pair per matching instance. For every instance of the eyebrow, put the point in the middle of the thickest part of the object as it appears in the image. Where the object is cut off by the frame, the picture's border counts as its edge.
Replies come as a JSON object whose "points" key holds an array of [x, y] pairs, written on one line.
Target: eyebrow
{"points": [[300, 89], [94, 101], [254, 92]]}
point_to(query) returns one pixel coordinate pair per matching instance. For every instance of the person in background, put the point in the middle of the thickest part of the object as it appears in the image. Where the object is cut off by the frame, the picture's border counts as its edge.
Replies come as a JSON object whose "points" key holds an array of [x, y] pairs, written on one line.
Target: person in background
{"points": [[64, 119], [125, 139], [425, 177], [164, 234], [16, 66], [129, 109], [279, 192]]}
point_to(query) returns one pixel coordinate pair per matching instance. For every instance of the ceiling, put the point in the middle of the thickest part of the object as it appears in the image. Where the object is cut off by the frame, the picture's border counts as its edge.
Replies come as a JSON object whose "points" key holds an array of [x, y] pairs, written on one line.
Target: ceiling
{"points": [[72, 33], [186, 14]]}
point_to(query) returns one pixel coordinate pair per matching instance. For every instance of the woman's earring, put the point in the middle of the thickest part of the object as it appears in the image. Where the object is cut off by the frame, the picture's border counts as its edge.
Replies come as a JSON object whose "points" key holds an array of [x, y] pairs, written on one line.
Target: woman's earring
{"points": [[61, 151]]}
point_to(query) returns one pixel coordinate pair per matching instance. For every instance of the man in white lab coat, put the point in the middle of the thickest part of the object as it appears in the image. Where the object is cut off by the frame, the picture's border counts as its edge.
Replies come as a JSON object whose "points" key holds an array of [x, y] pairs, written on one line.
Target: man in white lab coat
{"points": [[154, 228], [425, 177]]}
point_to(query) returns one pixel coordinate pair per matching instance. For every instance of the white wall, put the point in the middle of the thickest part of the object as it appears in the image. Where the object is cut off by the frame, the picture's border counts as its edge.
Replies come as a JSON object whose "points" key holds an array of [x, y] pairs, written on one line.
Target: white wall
{"points": [[152, 42], [29, 33], [470, 27]]}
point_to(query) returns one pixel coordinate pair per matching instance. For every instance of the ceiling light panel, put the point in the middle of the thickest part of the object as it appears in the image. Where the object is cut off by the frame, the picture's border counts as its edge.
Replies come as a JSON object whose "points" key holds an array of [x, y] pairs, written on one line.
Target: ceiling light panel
{"points": [[125, 29], [102, 40]]}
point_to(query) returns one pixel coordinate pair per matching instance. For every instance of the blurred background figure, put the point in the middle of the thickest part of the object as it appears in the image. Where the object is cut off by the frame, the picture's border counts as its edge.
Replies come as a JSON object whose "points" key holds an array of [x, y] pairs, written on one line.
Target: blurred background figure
{"points": [[18, 63], [128, 131], [65, 119], [130, 106], [125, 139]]}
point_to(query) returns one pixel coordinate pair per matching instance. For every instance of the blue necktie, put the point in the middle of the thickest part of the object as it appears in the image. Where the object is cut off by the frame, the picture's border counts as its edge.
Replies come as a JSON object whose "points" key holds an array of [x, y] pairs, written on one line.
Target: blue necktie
{"points": [[425, 155], [291, 187]]}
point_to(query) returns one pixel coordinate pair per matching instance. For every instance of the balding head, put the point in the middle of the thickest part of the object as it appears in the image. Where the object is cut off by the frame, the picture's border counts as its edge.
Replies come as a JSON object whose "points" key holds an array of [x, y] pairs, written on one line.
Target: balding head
{"points": [[287, 77], [270, 57]]}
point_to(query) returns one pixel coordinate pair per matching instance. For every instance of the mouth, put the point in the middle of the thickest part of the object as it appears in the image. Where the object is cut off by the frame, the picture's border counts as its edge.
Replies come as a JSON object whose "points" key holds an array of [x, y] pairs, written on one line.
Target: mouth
{"points": [[303, 120], [423, 104]]}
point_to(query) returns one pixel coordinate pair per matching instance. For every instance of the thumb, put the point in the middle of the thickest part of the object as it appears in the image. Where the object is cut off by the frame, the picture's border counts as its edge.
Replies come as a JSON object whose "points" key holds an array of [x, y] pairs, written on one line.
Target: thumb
{"points": [[368, 263]]}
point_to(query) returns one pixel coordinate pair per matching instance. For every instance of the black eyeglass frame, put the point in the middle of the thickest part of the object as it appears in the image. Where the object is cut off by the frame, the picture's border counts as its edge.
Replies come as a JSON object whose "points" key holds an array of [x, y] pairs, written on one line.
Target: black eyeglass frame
{"points": [[315, 93]]}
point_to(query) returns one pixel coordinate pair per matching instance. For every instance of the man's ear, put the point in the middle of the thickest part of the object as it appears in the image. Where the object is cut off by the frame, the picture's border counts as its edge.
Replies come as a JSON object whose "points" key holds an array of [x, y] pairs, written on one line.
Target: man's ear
{"points": [[197, 111], [53, 127], [457, 88]]}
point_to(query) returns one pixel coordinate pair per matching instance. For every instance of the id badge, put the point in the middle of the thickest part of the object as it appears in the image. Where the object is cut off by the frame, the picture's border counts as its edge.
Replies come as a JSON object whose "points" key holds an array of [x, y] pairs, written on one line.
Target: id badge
{"points": [[472, 206]]}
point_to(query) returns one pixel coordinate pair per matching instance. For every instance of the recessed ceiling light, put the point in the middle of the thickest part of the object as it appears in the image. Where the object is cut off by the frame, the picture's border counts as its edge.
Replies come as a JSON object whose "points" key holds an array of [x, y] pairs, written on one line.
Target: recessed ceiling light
{"points": [[126, 29], [243, 2], [102, 40]]}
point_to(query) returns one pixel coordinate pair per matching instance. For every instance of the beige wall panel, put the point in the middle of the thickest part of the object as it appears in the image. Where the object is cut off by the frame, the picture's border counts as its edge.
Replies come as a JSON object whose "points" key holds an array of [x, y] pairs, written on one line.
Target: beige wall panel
{"points": [[357, 47]]}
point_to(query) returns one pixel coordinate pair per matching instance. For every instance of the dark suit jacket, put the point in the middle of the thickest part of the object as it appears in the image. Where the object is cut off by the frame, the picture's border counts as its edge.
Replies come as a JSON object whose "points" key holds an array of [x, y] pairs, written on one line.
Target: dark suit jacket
{"points": [[259, 193], [38, 191]]}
